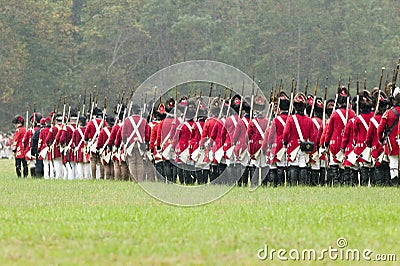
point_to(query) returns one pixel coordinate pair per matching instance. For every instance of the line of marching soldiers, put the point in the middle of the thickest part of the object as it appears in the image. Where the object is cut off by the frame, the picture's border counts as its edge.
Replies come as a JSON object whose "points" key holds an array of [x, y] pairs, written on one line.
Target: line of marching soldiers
{"points": [[297, 140]]}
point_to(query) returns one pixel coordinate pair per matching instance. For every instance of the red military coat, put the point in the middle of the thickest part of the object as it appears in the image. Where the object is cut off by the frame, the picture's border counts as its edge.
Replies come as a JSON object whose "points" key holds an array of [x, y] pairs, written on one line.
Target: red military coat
{"points": [[42, 142], [66, 142], [388, 118], [52, 140], [78, 145], [372, 140], [255, 133], [17, 145], [135, 130], [348, 142], [181, 139], [196, 135], [317, 125], [361, 125], [111, 141], [227, 134], [275, 136], [335, 130], [291, 136], [168, 127], [92, 131], [240, 138]]}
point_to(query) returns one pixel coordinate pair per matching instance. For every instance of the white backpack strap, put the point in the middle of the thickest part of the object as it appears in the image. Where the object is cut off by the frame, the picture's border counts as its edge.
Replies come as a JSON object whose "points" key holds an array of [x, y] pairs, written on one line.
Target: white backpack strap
{"points": [[341, 115], [188, 126], [374, 122], [234, 120], [317, 125], [245, 122], [135, 130], [363, 122], [296, 123], [280, 119], [258, 128], [199, 128]]}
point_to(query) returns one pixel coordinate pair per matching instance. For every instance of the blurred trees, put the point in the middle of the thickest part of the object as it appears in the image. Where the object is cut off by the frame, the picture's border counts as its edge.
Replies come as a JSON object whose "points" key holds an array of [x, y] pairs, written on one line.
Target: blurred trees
{"points": [[54, 48]]}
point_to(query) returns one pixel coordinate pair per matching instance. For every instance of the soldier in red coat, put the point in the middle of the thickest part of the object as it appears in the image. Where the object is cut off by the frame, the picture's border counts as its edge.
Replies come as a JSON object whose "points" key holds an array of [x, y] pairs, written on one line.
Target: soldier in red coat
{"points": [[101, 147], [240, 141], [43, 150], [82, 158], [387, 134], [350, 163], [202, 169], [314, 157], [255, 132], [34, 119], [379, 160], [92, 131], [207, 143], [115, 155], [273, 142], [66, 144], [361, 125], [53, 142], [299, 127], [135, 136], [159, 116], [165, 134], [330, 103], [334, 134], [18, 148], [180, 144]]}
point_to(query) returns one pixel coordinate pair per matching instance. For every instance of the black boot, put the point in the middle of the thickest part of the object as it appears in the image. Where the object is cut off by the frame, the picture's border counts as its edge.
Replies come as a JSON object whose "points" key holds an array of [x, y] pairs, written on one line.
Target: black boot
{"points": [[303, 180], [160, 171], [213, 172], [314, 178], [281, 176], [347, 176], [333, 178], [372, 176], [322, 176], [244, 178], [293, 175], [379, 176], [364, 176], [354, 178], [272, 177]]}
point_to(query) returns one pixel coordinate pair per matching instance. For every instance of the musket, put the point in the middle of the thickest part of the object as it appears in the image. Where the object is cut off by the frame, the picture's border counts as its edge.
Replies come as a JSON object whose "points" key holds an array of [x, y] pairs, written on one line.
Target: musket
{"points": [[306, 90], [291, 98], [241, 100], [279, 99], [358, 96], [63, 113], [315, 96], [379, 91], [34, 115], [396, 73], [252, 99], [27, 117], [365, 79], [338, 91], [324, 110], [79, 110]]}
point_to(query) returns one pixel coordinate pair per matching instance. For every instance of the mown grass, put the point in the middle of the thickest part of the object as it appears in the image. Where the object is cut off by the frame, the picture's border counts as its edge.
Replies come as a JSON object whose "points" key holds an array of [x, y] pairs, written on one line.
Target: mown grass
{"points": [[102, 223]]}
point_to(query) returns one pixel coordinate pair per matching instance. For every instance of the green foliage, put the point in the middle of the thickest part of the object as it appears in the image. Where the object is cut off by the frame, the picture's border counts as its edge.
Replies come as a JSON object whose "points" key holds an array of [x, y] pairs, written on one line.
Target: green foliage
{"points": [[55, 48]]}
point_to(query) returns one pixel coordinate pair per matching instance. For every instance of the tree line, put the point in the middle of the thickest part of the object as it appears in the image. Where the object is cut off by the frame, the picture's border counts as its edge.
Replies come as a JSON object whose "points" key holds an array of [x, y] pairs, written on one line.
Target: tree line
{"points": [[50, 49]]}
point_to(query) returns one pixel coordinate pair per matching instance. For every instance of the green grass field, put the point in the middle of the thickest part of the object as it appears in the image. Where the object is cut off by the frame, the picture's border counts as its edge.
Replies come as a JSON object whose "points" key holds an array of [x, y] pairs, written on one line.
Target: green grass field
{"points": [[102, 223]]}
